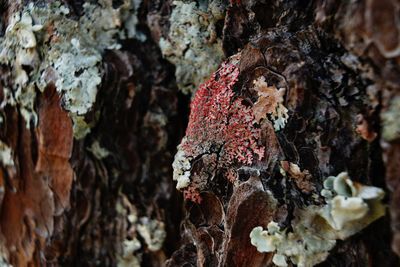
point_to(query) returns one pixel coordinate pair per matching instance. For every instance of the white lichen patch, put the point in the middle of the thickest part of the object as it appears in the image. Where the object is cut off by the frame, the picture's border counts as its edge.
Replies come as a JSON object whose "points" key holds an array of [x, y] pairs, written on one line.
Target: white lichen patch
{"points": [[66, 52], [181, 166], [270, 102], [153, 233], [349, 208], [98, 151], [6, 157], [192, 44]]}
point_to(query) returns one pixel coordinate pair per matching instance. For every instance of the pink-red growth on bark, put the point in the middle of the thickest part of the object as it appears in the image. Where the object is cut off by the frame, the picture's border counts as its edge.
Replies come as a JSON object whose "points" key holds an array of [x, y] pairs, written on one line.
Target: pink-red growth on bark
{"points": [[220, 123]]}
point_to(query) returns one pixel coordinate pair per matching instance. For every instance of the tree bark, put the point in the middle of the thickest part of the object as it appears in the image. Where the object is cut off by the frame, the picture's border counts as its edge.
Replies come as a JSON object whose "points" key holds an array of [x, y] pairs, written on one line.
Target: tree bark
{"points": [[311, 92]]}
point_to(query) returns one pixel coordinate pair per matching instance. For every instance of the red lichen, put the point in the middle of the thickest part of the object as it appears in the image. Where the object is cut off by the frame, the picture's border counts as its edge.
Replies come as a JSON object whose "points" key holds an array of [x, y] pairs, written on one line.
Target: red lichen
{"points": [[220, 123], [192, 193], [231, 175]]}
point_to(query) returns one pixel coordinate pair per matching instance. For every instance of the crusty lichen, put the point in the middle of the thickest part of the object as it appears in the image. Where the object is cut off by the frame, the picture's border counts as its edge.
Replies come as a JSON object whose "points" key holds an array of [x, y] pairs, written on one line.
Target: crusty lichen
{"points": [[192, 44], [181, 166], [44, 45], [221, 132], [349, 208]]}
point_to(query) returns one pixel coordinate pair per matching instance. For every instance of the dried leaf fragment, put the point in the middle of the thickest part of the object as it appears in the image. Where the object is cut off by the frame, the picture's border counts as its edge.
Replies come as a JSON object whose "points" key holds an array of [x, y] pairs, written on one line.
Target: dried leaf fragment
{"points": [[301, 178]]}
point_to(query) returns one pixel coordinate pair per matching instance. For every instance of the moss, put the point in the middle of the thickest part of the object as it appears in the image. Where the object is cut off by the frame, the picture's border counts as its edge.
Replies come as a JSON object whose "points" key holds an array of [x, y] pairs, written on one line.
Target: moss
{"points": [[192, 43], [63, 51], [349, 208]]}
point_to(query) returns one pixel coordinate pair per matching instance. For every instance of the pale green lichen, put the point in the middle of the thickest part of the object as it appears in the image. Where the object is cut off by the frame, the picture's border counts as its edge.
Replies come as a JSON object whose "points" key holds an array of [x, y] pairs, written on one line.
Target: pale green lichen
{"points": [[390, 121], [6, 157], [349, 208], [192, 44], [63, 51]]}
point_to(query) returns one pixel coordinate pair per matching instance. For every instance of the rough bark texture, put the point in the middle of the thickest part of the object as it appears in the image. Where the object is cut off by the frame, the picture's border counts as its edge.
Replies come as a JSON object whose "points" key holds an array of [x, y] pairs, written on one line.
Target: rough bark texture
{"points": [[69, 201]]}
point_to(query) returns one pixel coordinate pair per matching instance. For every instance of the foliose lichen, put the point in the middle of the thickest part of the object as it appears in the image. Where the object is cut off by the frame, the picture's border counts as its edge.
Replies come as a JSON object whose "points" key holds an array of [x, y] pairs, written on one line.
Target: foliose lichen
{"points": [[349, 208], [270, 102], [43, 45], [192, 44]]}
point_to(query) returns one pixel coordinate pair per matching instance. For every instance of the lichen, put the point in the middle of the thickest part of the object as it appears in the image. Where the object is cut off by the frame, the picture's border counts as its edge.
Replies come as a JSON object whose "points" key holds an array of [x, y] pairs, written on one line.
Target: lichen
{"points": [[349, 208], [181, 166], [128, 258], [98, 151], [3, 260], [135, 229], [128, 253], [192, 44], [18, 49], [390, 121], [270, 102], [153, 233], [301, 178], [6, 157], [222, 131], [63, 51]]}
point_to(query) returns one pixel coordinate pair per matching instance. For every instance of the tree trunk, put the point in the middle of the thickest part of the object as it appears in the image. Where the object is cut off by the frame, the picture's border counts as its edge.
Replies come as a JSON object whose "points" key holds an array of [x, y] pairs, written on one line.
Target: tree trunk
{"points": [[276, 120]]}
